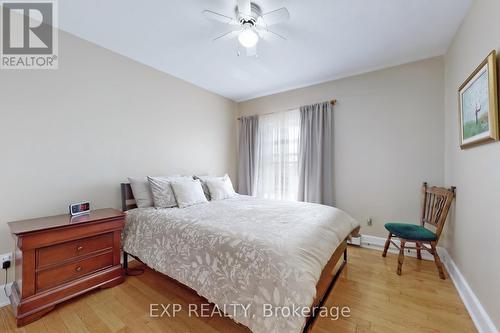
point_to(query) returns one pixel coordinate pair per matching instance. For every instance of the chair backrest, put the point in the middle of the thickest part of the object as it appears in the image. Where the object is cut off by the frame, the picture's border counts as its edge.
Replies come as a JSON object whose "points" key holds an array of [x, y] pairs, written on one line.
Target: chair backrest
{"points": [[436, 202]]}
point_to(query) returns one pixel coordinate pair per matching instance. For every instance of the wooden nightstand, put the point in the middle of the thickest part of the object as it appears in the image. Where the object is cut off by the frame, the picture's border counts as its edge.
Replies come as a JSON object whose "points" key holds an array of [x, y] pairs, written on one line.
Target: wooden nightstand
{"points": [[60, 257]]}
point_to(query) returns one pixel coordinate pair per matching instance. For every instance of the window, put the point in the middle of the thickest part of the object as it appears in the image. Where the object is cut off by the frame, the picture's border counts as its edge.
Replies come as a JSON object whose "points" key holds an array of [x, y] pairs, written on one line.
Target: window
{"points": [[278, 156]]}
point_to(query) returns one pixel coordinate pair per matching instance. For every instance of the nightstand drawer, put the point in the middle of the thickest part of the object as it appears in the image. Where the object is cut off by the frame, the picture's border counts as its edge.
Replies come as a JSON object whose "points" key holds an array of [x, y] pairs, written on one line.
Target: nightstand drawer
{"points": [[58, 253], [55, 276]]}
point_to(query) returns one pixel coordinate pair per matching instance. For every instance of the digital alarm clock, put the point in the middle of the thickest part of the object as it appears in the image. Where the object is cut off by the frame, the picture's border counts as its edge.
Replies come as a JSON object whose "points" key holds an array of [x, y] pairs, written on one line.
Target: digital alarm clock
{"points": [[79, 208]]}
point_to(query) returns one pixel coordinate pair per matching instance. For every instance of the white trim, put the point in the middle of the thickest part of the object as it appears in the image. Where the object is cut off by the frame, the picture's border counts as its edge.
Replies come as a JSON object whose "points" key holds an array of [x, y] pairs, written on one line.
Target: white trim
{"points": [[377, 243], [4, 300], [479, 316]]}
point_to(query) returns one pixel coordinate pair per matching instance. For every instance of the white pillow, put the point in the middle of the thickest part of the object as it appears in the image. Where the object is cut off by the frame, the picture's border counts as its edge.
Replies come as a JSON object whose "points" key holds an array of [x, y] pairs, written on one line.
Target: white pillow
{"points": [[204, 180], [163, 196], [204, 185], [188, 192], [141, 191], [220, 188]]}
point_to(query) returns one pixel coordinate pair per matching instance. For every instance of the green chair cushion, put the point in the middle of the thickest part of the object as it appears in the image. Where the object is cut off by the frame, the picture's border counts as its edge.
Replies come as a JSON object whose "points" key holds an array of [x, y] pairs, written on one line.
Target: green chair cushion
{"points": [[410, 231]]}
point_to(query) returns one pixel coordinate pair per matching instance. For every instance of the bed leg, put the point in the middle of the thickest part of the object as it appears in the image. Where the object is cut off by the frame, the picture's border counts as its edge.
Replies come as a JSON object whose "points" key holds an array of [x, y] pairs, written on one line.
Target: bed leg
{"points": [[345, 255], [132, 271], [125, 260]]}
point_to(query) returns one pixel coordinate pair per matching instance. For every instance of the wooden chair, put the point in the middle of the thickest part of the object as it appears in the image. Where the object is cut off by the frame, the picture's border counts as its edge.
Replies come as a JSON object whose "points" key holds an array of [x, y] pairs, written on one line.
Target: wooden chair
{"points": [[436, 202]]}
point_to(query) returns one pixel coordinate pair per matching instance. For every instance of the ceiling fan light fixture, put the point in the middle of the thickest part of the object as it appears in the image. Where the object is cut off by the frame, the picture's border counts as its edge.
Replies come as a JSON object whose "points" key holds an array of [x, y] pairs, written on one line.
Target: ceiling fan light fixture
{"points": [[249, 24], [248, 38]]}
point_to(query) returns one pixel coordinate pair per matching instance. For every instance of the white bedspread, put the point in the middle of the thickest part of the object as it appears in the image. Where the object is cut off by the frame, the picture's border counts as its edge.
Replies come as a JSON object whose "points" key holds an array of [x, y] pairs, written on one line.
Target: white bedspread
{"points": [[242, 251]]}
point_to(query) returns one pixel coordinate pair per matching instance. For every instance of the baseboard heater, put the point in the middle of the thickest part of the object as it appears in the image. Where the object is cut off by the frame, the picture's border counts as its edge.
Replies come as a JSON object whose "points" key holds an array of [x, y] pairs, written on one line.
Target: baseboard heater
{"points": [[354, 240]]}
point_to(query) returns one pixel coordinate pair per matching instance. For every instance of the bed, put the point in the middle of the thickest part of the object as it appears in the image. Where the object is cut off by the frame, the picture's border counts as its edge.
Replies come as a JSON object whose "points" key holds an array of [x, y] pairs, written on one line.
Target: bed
{"points": [[265, 255]]}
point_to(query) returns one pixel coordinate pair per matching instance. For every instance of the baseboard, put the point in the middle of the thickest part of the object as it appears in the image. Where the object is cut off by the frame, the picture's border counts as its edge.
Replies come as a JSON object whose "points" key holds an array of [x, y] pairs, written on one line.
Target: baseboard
{"points": [[479, 316], [377, 243], [4, 300], [481, 319]]}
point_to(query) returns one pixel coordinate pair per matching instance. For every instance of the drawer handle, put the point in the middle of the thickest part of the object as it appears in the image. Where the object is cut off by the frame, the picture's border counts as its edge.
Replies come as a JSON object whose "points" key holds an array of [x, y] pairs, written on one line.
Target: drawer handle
{"points": [[78, 269], [79, 248]]}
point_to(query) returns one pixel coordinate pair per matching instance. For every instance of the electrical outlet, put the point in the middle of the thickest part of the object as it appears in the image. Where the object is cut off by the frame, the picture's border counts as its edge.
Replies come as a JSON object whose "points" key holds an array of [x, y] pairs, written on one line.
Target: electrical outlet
{"points": [[5, 257], [369, 222]]}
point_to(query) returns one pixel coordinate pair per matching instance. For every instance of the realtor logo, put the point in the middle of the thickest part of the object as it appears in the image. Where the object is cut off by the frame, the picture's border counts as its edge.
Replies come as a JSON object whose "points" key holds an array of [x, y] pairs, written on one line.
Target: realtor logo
{"points": [[29, 39]]}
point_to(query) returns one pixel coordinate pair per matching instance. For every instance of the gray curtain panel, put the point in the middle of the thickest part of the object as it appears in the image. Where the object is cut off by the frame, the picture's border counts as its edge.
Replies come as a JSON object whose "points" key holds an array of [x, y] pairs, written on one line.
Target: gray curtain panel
{"points": [[316, 154], [247, 162]]}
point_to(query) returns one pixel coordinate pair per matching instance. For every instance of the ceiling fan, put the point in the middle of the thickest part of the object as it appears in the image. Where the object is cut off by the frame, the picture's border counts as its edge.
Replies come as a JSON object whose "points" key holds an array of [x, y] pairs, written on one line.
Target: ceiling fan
{"points": [[249, 24]]}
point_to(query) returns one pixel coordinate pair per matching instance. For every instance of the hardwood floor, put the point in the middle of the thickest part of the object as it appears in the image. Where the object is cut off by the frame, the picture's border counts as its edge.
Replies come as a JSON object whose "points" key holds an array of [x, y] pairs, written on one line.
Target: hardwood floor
{"points": [[380, 301]]}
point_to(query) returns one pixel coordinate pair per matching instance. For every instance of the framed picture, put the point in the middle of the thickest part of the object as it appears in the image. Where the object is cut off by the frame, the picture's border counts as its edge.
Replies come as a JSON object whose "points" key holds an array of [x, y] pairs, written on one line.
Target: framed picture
{"points": [[478, 105]]}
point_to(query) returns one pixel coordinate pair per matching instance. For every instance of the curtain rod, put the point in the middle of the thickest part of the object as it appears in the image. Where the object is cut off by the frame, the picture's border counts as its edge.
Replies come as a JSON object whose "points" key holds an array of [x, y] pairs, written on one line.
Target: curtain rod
{"points": [[332, 102]]}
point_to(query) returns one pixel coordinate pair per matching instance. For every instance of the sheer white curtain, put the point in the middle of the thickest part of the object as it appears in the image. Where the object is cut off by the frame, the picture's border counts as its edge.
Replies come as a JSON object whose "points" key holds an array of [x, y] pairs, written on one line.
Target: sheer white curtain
{"points": [[278, 156]]}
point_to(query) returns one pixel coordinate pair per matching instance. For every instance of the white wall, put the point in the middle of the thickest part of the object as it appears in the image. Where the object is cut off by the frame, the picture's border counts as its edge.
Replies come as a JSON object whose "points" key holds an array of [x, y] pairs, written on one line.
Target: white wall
{"points": [[473, 230], [75, 133], [388, 137]]}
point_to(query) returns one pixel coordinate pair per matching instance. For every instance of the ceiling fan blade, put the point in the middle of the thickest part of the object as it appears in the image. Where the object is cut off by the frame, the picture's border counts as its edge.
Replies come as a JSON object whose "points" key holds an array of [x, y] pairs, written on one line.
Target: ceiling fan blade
{"points": [[244, 7], [227, 35], [211, 15], [276, 35], [251, 51], [269, 35], [276, 16]]}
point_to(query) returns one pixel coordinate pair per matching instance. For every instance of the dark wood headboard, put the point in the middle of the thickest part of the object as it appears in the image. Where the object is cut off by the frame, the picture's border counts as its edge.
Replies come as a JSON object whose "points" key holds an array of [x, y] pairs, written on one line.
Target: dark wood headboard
{"points": [[128, 200]]}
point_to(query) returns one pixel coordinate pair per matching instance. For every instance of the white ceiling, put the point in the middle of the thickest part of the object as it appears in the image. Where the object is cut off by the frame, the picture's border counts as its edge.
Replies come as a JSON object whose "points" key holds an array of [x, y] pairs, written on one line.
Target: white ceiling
{"points": [[327, 39]]}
